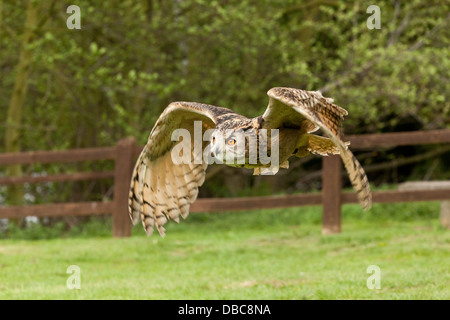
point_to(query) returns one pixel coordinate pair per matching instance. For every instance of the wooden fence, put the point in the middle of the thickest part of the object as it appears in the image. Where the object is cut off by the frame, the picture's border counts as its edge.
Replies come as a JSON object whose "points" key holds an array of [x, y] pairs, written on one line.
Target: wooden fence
{"points": [[126, 151]]}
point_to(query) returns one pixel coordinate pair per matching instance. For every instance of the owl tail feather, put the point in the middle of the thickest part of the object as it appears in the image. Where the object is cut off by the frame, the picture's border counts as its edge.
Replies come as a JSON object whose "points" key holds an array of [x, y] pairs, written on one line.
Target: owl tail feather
{"points": [[324, 147]]}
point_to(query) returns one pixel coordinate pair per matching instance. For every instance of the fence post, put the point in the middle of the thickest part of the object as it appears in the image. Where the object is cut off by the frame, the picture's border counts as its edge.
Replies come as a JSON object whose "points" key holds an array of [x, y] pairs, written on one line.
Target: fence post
{"points": [[331, 194], [122, 176]]}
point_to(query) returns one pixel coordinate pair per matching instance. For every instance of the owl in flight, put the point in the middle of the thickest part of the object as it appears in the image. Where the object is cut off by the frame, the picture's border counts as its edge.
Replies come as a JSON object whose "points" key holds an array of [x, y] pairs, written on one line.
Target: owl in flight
{"points": [[163, 187]]}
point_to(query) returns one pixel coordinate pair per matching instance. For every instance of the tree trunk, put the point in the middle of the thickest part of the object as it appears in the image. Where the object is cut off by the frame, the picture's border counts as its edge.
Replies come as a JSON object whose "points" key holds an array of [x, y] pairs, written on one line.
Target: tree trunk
{"points": [[14, 118]]}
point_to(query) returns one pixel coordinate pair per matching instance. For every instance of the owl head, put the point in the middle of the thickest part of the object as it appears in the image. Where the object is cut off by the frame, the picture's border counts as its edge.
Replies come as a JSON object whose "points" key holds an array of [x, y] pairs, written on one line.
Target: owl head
{"points": [[232, 146]]}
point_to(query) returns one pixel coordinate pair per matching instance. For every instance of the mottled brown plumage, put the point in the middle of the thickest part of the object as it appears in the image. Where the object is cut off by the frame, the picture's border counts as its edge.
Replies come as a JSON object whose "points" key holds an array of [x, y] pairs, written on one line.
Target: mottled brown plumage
{"points": [[162, 190]]}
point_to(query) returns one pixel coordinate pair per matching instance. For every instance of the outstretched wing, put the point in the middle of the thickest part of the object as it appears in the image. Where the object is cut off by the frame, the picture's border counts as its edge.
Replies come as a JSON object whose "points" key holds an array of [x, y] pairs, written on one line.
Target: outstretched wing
{"points": [[289, 107], [160, 188]]}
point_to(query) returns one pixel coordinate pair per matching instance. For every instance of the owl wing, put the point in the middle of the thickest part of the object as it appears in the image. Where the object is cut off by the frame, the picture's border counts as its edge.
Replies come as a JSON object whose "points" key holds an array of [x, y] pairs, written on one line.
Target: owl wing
{"points": [[289, 107], [161, 188]]}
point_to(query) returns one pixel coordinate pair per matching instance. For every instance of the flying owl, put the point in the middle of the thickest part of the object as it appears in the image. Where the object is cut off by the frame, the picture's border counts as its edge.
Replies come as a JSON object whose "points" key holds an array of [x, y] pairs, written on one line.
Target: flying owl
{"points": [[163, 189]]}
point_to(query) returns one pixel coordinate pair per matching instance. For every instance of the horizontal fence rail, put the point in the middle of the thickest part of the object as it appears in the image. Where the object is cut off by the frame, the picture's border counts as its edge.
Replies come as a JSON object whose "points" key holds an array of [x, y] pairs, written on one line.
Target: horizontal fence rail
{"points": [[124, 155], [396, 139], [296, 200], [74, 155], [58, 210], [76, 176]]}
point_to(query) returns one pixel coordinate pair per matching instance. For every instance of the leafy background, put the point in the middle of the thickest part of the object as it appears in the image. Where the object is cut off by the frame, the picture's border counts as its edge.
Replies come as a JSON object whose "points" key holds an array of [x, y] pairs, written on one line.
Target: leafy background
{"points": [[112, 79]]}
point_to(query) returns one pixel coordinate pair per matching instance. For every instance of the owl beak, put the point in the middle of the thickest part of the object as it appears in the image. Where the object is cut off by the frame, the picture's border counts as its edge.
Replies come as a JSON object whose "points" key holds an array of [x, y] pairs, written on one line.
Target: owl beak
{"points": [[215, 150]]}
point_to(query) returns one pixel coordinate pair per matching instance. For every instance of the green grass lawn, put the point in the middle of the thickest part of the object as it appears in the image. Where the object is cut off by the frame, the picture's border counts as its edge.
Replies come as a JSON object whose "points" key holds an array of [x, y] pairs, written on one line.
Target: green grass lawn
{"points": [[268, 254]]}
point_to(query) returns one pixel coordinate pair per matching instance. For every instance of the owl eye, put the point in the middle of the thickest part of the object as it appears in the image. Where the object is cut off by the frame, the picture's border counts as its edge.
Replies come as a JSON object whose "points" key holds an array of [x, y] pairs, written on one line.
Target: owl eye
{"points": [[214, 139], [231, 142]]}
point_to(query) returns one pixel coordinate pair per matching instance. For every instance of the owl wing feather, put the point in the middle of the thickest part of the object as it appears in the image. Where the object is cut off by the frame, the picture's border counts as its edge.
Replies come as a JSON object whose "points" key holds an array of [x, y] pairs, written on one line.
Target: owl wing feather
{"points": [[162, 190], [294, 107]]}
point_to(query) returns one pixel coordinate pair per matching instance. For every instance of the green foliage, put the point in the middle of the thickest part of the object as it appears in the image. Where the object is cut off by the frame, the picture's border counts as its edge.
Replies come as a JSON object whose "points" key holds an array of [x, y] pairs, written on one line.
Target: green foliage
{"points": [[131, 58], [112, 78]]}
